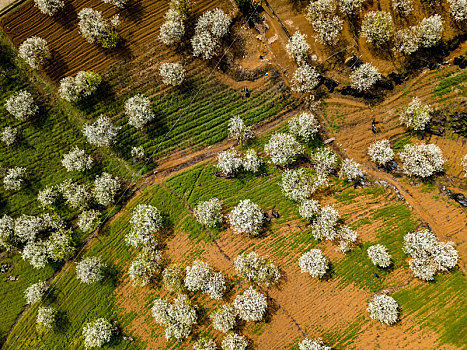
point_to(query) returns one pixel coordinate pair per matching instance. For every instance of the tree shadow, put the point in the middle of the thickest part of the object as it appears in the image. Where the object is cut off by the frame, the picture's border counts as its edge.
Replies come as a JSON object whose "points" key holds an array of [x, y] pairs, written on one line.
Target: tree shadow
{"points": [[134, 11], [113, 275], [330, 272], [104, 94], [63, 16], [271, 310], [57, 66], [121, 52], [62, 322]]}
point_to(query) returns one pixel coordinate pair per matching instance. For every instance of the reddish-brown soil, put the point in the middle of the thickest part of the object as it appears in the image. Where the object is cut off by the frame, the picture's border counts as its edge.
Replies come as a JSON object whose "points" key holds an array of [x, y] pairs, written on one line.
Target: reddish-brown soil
{"points": [[139, 29]]}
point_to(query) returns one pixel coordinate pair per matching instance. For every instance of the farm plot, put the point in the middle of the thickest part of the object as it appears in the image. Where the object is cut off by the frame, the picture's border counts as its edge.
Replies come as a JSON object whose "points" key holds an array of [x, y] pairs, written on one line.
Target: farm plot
{"points": [[41, 144], [140, 23], [189, 117], [333, 309]]}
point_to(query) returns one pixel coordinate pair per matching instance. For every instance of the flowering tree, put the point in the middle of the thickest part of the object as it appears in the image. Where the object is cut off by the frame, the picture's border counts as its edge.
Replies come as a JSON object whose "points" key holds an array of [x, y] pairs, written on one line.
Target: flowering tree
{"points": [[180, 9], [305, 79], [49, 7], [328, 29], [83, 85], [35, 292], [324, 160], [314, 262], [403, 7], [88, 220], [208, 213], [172, 278], [381, 152], [364, 77], [205, 344], [137, 153], [7, 234], [379, 255], [204, 45], [430, 31], [173, 29], [247, 217], [416, 115], [216, 22], [45, 318], [200, 277], [347, 238], [21, 105], [322, 15], [145, 267], [384, 309], [238, 130], [172, 32], [298, 48], [139, 111], [320, 8], [304, 125], [172, 73], [229, 162], [283, 149], [90, 270], [101, 133], [36, 254], [77, 160], [464, 165], [296, 184], [350, 170], [210, 28], [34, 51], [325, 224], [178, 317], [407, 41], [60, 245], [223, 319], [257, 268], [458, 9], [422, 160], [96, 333], [233, 341], [145, 221], [118, 3], [377, 27], [429, 255], [350, 7], [106, 188], [250, 305], [315, 344], [76, 196], [251, 161], [27, 227], [308, 209], [14, 178], [97, 30], [9, 135]]}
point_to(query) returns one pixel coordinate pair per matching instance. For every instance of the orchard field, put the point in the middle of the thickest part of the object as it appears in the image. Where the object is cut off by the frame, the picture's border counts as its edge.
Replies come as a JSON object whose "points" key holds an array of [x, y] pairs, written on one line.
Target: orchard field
{"points": [[193, 152]]}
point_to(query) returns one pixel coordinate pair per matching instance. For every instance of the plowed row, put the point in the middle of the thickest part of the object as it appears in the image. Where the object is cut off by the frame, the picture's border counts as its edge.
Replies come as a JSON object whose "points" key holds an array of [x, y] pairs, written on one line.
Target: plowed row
{"points": [[139, 28]]}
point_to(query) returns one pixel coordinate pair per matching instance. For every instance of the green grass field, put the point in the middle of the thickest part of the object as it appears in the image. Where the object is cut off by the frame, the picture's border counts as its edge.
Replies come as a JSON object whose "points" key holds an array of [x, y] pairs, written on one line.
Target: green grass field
{"points": [[80, 303], [191, 117]]}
